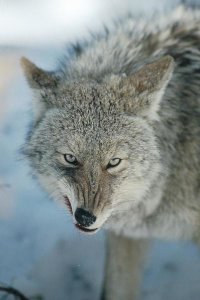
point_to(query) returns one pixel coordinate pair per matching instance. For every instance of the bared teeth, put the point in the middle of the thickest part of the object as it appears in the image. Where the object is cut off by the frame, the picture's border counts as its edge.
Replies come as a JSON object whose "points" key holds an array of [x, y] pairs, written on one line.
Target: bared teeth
{"points": [[81, 228], [67, 202]]}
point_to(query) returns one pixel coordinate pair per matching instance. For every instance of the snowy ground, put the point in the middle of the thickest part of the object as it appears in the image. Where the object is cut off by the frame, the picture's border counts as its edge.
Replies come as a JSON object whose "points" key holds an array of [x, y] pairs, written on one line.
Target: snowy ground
{"points": [[40, 251]]}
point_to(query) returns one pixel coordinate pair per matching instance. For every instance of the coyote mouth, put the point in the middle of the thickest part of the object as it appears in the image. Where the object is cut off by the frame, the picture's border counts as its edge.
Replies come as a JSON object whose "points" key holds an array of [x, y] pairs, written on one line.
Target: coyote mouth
{"points": [[77, 225], [86, 230], [67, 202]]}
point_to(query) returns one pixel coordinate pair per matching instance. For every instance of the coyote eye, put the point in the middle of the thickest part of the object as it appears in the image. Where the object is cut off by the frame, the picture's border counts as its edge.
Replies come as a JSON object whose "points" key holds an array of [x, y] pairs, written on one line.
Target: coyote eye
{"points": [[114, 162], [71, 159]]}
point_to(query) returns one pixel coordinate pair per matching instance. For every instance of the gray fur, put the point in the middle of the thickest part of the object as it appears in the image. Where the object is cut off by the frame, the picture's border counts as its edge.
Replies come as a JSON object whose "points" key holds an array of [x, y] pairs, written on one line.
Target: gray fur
{"points": [[118, 99]]}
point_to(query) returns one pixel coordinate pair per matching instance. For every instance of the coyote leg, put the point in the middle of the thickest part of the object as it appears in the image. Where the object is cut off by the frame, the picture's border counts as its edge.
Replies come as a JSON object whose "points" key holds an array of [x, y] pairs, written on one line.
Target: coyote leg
{"points": [[124, 260]]}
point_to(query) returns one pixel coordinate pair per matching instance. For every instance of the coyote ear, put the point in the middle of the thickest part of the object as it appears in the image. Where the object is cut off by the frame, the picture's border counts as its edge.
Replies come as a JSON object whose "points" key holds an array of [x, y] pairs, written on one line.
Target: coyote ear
{"points": [[145, 88], [36, 77], [42, 83]]}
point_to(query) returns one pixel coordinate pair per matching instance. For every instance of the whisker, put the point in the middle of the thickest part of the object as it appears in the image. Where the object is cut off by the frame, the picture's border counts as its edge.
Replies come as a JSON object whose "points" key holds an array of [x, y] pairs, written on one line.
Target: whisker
{"points": [[118, 211], [122, 202]]}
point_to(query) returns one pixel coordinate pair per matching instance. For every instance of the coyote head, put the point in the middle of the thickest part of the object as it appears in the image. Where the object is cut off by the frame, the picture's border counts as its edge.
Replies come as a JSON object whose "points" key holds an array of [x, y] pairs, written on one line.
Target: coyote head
{"points": [[92, 144]]}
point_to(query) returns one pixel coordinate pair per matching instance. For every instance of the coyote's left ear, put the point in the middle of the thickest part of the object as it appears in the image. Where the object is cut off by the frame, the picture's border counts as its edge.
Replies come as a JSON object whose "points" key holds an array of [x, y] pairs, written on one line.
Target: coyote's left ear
{"points": [[144, 89], [42, 83], [36, 77]]}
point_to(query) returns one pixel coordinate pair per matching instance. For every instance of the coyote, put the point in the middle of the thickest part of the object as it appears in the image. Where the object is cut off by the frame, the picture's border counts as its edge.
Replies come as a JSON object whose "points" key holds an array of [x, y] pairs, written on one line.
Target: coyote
{"points": [[116, 138]]}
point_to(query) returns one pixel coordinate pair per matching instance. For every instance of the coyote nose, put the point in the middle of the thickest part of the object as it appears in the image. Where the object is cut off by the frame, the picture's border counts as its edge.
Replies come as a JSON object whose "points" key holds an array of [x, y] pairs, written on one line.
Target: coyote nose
{"points": [[84, 217]]}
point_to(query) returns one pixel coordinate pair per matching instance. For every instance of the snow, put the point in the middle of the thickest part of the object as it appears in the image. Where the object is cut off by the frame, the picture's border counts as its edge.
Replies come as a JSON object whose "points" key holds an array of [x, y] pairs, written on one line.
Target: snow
{"points": [[40, 250]]}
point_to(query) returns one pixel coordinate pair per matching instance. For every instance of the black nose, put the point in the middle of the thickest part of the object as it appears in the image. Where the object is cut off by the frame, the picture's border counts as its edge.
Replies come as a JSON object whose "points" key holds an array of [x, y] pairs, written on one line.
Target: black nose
{"points": [[84, 217]]}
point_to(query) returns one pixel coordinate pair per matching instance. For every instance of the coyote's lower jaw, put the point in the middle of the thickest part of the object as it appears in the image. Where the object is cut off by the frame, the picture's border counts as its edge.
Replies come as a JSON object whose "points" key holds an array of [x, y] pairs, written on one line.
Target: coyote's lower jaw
{"points": [[86, 230]]}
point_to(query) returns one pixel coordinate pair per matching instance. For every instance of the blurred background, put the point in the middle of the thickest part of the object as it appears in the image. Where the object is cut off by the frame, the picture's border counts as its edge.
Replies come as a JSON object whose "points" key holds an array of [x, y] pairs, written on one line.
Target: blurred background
{"points": [[40, 251]]}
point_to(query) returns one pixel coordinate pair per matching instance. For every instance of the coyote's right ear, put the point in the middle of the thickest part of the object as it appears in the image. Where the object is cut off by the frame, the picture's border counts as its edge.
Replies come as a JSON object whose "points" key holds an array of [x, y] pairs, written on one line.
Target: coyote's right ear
{"points": [[42, 83]]}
